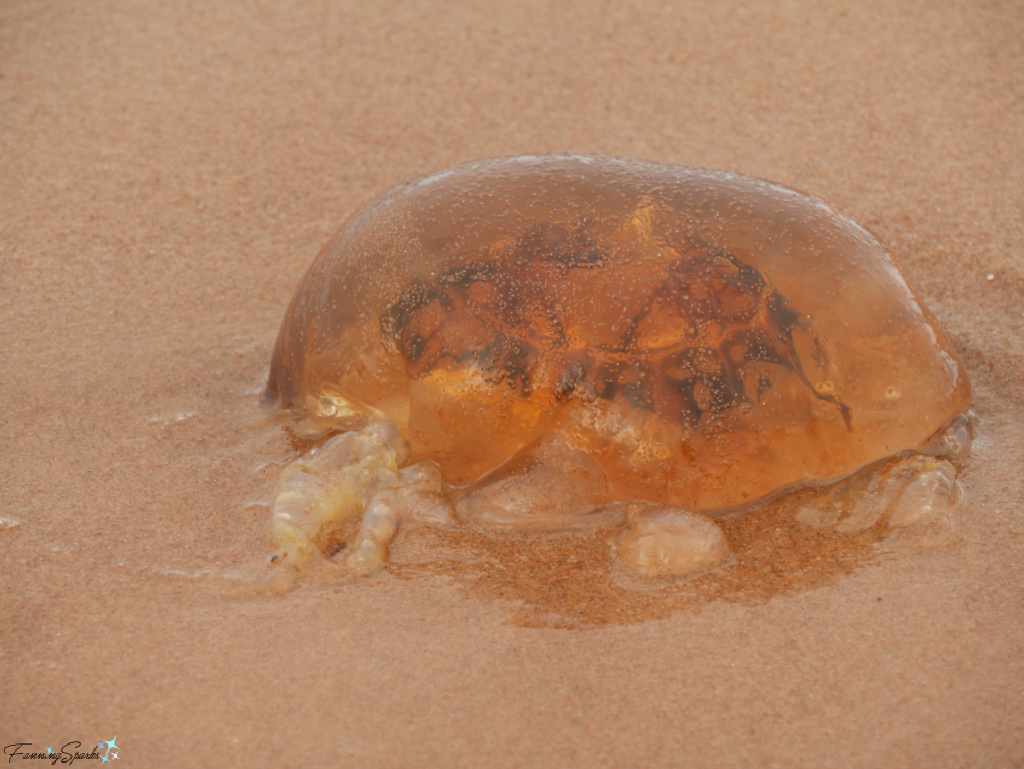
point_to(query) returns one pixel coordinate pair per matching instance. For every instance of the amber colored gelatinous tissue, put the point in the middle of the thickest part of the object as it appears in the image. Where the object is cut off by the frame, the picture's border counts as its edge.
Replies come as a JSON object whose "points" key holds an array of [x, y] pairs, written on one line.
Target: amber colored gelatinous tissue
{"points": [[699, 339]]}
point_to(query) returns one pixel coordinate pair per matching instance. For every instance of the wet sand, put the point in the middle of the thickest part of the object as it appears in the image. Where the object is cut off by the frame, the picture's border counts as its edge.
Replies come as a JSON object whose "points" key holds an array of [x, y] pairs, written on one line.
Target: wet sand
{"points": [[166, 175]]}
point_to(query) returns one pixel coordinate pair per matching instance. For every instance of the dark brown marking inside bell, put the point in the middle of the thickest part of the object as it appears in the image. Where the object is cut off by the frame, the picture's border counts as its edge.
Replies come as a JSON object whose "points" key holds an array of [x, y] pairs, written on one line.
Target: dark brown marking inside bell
{"points": [[684, 355]]}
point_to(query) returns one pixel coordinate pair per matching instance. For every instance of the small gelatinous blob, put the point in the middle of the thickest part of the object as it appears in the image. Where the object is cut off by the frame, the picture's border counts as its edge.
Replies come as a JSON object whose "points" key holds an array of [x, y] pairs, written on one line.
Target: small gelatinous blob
{"points": [[667, 541], [558, 336]]}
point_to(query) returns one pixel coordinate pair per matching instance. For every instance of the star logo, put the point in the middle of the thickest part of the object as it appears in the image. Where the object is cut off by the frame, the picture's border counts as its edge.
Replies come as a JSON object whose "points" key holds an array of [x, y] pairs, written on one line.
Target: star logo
{"points": [[110, 751]]}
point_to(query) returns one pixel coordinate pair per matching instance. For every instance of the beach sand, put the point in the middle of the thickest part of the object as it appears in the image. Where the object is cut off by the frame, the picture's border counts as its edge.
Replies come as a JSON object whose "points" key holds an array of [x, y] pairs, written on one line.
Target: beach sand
{"points": [[167, 173]]}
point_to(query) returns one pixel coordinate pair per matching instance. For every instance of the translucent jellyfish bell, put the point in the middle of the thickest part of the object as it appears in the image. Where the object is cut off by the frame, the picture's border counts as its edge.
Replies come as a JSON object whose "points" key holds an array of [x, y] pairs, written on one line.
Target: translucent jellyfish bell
{"points": [[701, 339]]}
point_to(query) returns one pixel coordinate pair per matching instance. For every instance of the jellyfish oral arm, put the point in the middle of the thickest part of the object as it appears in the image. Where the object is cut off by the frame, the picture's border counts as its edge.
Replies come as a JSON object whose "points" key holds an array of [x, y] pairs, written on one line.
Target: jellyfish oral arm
{"points": [[355, 474]]}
